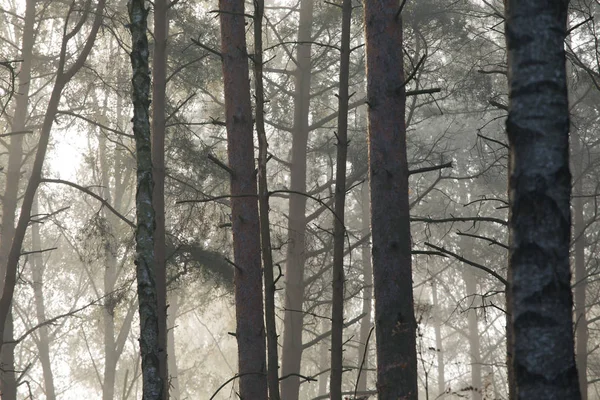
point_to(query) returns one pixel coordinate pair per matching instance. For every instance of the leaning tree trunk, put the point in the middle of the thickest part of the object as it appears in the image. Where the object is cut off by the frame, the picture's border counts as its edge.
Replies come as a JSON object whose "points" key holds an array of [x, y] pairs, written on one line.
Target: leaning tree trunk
{"points": [[339, 229], [250, 331], [293, 321], [152, 384], [539, 194], [395, 323]]}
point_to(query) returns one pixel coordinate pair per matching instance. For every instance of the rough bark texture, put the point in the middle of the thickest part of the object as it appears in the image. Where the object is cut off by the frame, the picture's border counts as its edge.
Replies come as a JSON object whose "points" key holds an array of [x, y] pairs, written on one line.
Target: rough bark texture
{"points": [[390, 224], [263, 201], [250, 331], [539, 194], [159, 81], [339, 229], [63, 77], [294, 271], [152, 384], [365, 323]]}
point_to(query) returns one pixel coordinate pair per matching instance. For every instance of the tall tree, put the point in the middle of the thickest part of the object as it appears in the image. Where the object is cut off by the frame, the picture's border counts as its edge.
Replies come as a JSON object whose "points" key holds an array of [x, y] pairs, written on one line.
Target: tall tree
{"points": [[339, 230], [539, 196], [8, 385], [395, 323], [293, 320], [263, 202], [153, 386], [159, 86], [250, 330]]}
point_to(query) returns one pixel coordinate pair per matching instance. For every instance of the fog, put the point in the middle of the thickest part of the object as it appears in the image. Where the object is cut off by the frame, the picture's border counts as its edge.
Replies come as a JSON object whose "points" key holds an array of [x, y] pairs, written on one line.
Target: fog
{"points": [[71, 255]]}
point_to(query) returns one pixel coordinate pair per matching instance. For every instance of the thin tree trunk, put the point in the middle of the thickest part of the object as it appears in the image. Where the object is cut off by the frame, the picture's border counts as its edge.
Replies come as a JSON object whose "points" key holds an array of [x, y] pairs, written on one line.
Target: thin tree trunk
{"points": [[339, 230], [152, 384], [365, 323], [250, 331], [390, 222], [263, 201], [294, 271], [539, 195], [159, 76]]}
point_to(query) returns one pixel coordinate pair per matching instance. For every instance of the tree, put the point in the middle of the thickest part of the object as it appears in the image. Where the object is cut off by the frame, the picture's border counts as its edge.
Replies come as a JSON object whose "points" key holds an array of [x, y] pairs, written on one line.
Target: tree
{"points": [[250, 330], [539, 274], [339, 232], [145, 262], [395, 323]]}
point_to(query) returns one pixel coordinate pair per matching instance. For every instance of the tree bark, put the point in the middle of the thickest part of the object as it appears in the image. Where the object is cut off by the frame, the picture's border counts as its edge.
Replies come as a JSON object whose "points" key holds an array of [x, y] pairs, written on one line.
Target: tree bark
{"points": [[263, 201], [159, 76], [152, 383], [294, 271], [250, 331], [339, 229], [539, 195], [390, 222]]}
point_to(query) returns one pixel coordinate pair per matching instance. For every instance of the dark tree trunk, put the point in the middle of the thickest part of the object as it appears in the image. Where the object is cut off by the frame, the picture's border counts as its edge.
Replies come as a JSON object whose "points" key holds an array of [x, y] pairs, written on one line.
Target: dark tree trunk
{"points": [[539, 194], [263, 200], [294, 271], [439, 344], [152, 384], [390, 223], [250, 331], [339, 230], [159, 81]]}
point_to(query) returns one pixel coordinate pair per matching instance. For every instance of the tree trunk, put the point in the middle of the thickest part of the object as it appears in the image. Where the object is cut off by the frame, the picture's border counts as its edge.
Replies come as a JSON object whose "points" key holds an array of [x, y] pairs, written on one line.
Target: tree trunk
{"points": [[8, 386], [159, 76], [263, 201], [365, 323], [339, 230], [294, 271], [390, 222], [539, 195], [250, 331], [152, 384]]}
